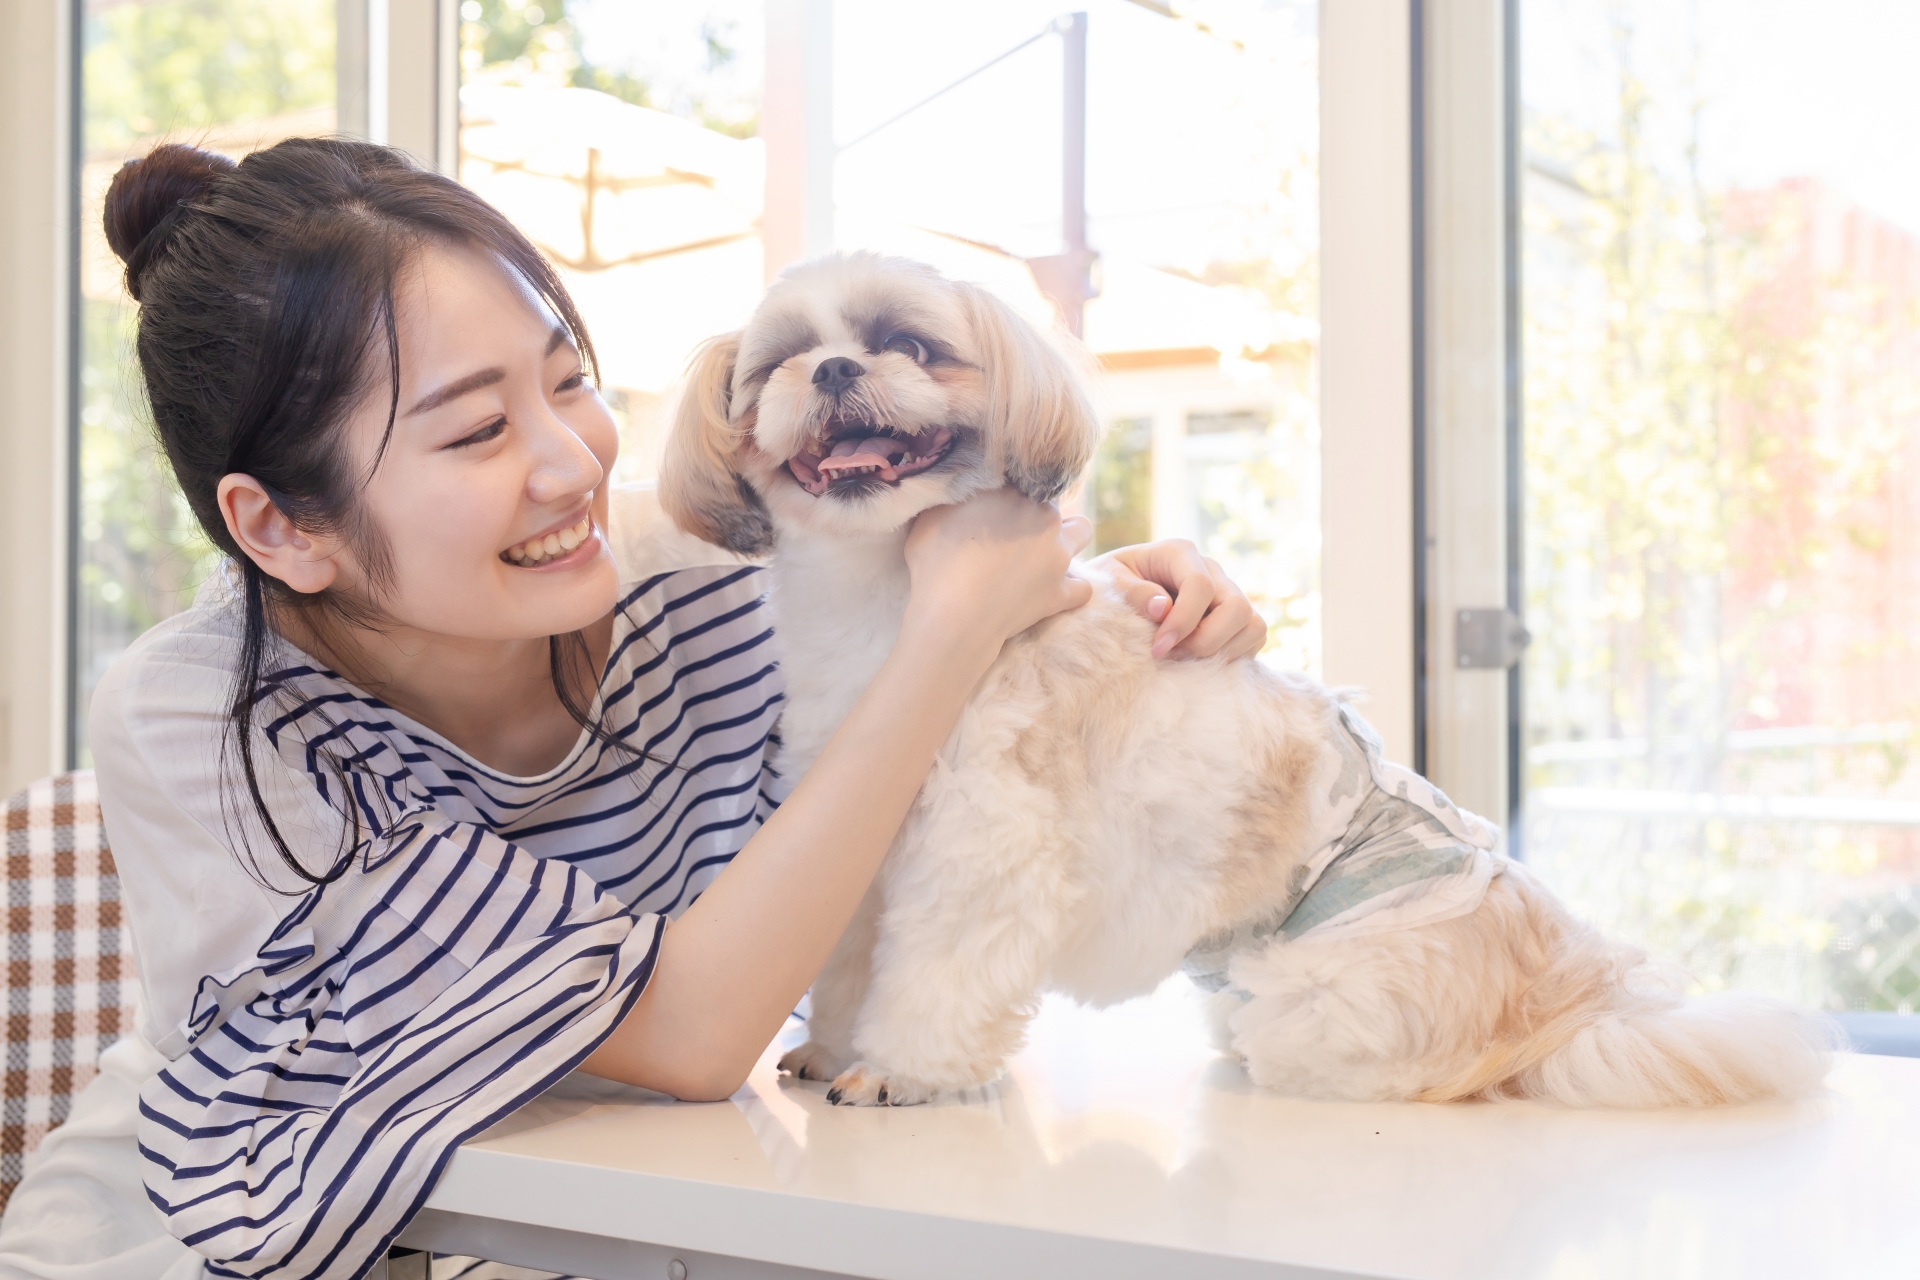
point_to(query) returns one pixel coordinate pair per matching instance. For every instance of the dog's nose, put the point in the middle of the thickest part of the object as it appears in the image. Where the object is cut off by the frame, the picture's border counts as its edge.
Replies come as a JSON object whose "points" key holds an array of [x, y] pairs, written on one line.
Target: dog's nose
{"points": [[833, 374]]}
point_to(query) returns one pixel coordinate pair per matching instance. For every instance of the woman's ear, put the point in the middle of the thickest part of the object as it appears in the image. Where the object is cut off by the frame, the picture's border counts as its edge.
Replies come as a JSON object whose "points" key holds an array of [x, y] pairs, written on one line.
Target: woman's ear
{"points": [[305, 562], [700, 486], [1041, 428]]}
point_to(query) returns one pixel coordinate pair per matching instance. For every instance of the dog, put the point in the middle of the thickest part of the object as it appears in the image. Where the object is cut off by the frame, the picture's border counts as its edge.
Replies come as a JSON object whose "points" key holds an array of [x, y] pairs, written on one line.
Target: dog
{"points": [[1100, 819]]}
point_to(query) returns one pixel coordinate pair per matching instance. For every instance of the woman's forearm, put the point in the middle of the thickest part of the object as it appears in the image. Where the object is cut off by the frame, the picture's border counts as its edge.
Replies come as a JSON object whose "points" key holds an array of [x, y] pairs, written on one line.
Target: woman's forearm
{"points": [[735, 964]]}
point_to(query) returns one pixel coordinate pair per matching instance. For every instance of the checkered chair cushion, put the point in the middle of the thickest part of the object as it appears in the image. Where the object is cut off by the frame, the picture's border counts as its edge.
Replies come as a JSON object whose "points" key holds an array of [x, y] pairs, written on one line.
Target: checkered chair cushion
{"points": [[70, 988]]}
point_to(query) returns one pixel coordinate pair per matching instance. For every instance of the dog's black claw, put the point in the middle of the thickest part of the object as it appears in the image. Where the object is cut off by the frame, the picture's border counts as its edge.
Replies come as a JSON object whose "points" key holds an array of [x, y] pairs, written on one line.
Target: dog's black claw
{"points": [[833, 1096], [882, 1099]]}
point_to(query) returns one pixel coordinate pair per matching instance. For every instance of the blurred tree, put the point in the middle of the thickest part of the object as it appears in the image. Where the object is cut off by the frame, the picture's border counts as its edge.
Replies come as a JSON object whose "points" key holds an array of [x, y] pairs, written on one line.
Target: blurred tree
{"points": [[176, 66], [1721, 401]]}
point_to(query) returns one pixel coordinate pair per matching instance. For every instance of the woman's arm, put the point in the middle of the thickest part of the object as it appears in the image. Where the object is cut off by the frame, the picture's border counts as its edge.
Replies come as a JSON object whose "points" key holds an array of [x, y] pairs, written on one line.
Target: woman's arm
{"points": [[734, 965]]}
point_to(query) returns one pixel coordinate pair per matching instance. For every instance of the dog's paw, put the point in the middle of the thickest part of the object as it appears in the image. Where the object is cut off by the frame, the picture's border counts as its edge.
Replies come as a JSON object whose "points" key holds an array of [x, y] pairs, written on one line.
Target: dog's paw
{"points": [[865, 1085], [810, 1061]]}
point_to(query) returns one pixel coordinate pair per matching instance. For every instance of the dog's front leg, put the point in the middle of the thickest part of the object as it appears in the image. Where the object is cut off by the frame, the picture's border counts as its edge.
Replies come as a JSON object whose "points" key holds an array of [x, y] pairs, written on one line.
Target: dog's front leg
{"points": [[836, 998], [966, 941]]}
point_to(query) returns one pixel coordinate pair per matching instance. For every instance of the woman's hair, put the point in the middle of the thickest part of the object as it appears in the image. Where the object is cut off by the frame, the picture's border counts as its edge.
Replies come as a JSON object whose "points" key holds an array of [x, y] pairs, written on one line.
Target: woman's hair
{"points": [[266, 293]]}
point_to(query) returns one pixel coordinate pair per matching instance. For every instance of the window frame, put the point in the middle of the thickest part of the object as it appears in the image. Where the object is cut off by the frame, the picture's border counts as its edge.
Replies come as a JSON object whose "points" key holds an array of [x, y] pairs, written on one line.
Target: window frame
{"points": [[1469, 426]]}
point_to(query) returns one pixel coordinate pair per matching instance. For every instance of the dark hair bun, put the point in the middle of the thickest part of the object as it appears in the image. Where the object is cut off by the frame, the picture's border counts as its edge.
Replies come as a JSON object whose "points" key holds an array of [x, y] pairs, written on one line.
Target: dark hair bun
{"points": [[147, 197]]}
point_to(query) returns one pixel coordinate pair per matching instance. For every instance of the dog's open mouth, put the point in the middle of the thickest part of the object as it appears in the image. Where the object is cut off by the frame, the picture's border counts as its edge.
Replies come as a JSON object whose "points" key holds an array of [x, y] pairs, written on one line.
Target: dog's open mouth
{"points": [[856, 451]]}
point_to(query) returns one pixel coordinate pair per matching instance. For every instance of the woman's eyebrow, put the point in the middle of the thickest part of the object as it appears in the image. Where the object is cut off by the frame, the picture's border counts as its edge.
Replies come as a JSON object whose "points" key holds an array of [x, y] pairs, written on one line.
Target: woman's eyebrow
{"points": [[454, 390], [483, 378]]}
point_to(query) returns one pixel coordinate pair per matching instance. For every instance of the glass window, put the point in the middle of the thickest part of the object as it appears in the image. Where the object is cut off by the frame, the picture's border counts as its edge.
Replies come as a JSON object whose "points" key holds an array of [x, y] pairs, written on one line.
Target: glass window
{"points": [[1722, 484], [229, 75], [625, 140]]}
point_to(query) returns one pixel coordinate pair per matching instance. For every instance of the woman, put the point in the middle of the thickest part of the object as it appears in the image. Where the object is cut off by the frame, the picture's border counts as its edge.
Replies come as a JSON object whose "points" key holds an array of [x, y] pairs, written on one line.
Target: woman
{"points": [[403, 805]]}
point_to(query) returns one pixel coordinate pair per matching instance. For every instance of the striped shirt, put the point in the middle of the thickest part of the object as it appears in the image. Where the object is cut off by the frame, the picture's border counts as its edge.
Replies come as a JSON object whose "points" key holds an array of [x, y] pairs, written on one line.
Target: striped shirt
{"points": [[488, 934]]}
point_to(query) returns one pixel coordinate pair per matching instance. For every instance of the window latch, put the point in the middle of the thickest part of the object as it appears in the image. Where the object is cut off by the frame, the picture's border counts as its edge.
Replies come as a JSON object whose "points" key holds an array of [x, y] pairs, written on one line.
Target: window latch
{"points": [[1488, 639]]}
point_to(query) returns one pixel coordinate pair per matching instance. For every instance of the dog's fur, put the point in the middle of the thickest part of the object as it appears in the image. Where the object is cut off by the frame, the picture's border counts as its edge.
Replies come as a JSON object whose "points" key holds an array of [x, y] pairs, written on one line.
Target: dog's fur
{"points": [[1096, 812]]}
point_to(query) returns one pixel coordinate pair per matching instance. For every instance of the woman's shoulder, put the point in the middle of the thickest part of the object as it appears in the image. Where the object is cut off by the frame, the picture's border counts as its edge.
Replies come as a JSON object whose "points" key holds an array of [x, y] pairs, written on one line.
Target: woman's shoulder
{"points": [[185, 661]]}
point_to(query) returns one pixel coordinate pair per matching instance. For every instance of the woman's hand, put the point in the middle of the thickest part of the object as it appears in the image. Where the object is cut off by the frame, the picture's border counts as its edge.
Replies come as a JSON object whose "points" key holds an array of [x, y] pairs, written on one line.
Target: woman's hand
{"points": [[1200, 611], [993, 566]]}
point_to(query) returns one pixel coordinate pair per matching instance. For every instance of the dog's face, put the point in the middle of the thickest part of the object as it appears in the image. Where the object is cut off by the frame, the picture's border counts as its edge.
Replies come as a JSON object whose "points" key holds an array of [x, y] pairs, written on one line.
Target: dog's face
{"points": [[863, 391]]}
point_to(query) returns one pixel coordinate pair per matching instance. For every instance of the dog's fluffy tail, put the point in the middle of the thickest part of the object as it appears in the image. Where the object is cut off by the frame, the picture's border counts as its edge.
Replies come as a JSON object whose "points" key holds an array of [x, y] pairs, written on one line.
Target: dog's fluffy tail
{"points": [[1588, 1023]]}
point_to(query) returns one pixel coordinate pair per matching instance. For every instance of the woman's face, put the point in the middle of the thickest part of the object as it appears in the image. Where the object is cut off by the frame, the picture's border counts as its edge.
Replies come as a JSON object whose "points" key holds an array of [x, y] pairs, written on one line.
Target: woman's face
{"points": [[491, 495]]}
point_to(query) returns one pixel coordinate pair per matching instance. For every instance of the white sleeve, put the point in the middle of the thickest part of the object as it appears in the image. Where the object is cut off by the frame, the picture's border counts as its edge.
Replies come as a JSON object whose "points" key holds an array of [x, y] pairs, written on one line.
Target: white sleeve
{"points": [[157, 726], [444, 981]]}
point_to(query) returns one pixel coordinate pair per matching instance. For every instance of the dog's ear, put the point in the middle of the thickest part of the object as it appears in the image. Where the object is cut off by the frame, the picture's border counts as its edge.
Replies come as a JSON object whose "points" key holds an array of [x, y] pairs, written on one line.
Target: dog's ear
{"points": [[701, 488], [1041, 428]]}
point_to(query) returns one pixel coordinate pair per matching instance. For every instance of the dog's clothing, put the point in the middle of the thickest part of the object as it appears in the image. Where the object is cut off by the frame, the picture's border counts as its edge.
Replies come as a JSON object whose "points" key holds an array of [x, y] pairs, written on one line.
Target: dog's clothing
{"points": [[1394, 853]]}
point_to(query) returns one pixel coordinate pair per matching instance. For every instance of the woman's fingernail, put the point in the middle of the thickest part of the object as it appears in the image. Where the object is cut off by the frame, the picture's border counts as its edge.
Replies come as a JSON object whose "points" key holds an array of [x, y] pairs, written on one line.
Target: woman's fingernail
{"points": [[1157, 607], [1161, 644]]}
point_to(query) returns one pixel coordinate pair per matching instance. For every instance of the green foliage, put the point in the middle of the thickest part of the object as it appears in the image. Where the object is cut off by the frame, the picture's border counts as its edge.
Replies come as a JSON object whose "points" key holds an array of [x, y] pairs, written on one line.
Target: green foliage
{"points": [[181, 65]]}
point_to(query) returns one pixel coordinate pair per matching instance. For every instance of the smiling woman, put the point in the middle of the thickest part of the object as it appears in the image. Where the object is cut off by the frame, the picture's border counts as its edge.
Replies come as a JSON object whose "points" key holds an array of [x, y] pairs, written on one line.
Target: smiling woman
{"points": [[276, 490], [490, 763]]}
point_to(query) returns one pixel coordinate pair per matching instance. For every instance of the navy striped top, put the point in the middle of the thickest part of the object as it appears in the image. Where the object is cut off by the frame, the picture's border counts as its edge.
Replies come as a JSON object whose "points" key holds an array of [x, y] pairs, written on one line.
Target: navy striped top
{"points": [[489, 933]]}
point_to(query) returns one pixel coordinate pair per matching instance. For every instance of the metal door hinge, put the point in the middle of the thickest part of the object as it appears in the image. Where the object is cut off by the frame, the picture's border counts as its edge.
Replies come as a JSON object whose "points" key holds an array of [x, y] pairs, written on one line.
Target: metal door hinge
{"points": [[1488, 639]]}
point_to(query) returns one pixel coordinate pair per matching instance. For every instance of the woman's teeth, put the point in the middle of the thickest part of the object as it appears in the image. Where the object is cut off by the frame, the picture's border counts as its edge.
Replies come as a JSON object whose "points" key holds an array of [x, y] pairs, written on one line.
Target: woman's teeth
{"points": [[540, 550]]}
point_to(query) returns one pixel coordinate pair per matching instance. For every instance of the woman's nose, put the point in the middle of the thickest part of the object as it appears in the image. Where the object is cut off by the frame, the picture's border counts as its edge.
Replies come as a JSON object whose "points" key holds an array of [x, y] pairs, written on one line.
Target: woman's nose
{"points": [[564, 467]]}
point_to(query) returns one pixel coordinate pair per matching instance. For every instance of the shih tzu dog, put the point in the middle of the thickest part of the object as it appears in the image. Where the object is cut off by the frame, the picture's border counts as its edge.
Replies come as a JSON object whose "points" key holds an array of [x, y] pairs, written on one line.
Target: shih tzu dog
{"points": [[1100, 819]]}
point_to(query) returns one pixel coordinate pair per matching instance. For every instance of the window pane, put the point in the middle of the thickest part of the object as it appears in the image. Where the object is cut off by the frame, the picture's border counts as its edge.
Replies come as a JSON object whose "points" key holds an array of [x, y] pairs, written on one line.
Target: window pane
{"points": [[229, 75], [1202, 165], [1722, 350]]}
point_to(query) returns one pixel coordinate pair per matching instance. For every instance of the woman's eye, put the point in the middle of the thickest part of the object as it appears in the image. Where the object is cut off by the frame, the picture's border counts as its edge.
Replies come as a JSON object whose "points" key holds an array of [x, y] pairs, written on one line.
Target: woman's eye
{"points": [[574, 383], [911, 348], [484, 434]]}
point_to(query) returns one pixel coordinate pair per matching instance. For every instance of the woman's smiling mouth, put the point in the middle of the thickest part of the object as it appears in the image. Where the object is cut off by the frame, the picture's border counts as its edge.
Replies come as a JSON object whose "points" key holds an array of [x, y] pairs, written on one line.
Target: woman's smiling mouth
{"points": [[554, 548]]}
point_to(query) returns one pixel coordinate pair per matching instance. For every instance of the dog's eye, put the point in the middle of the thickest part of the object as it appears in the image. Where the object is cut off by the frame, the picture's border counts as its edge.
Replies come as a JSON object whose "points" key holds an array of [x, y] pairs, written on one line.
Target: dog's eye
{"points": [[911, 348]]}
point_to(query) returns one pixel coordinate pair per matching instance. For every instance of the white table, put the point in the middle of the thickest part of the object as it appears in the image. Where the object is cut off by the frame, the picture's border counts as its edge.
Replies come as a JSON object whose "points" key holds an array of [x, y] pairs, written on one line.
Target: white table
{"points": [[1122, 1147]]}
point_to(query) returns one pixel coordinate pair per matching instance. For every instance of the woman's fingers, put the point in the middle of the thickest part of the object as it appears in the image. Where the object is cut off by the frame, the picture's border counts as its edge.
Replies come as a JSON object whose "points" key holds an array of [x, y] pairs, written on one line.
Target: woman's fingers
{"points": [[1232, 629], [1148, 599], [1193, 599], [1200, 612], [1210, 615]]}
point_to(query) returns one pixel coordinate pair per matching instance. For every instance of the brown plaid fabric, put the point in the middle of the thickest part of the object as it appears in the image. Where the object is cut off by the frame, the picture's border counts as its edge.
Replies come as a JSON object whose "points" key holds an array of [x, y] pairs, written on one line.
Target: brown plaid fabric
{"points": [[70, 988]]}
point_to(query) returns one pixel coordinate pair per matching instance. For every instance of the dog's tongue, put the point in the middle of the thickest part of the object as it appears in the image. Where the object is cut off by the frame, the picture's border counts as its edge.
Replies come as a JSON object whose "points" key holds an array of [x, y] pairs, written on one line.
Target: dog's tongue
{"points": [[874, 451], [883, 456]]}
